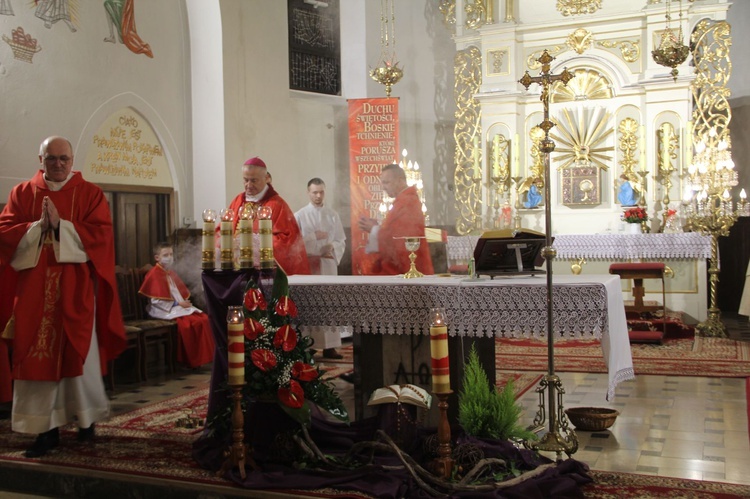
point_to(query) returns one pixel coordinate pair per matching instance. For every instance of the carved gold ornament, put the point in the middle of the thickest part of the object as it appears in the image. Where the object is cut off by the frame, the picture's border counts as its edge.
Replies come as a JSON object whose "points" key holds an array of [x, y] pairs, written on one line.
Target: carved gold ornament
{"points": [[578, 7], [580, 40], [582, 136], [587, 85]]}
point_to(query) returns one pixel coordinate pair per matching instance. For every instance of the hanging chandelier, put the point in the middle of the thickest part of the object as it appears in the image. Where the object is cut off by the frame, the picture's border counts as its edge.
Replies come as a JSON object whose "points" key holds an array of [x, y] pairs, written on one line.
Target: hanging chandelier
{"points": [[671, 52], [387, 71]]}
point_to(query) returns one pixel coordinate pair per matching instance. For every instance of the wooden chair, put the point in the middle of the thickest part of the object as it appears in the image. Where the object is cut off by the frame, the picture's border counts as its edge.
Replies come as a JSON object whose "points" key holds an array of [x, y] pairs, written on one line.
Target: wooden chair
{"points": [[129, 306]]}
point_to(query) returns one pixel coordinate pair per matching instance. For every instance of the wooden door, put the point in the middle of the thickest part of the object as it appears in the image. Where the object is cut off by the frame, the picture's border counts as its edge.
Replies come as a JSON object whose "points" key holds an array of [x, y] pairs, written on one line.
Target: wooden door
{"points": [[141, 221]]}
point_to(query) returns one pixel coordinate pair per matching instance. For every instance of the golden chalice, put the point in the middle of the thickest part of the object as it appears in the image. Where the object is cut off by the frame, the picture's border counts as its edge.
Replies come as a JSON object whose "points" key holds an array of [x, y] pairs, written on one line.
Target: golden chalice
{"points": [[412, 245]]}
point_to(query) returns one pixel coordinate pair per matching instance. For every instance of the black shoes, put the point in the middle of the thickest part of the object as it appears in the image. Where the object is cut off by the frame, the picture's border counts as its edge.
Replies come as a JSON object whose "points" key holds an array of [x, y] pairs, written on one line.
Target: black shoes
{"points": [[44, 442], [331, 353], [86, 434], [348, 377], [50, 439]]}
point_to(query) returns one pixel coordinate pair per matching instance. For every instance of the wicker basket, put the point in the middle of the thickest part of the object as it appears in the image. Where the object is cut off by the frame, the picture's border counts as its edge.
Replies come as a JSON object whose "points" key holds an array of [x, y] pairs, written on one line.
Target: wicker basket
{"points": [[591, 418]]}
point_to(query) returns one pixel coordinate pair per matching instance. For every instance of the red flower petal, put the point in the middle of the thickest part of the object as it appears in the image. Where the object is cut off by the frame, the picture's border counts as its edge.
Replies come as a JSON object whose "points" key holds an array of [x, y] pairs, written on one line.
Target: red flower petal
{"points": [[304, 372], [285, 338], [285, 306], [294, 396], [263, 359], [254, 300], [253, 328]]}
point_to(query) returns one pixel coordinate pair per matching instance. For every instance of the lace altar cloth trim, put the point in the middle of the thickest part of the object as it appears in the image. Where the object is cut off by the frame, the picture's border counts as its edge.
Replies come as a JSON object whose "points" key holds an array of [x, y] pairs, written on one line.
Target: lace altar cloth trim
{"points": [[685, 245], [580, 310]]}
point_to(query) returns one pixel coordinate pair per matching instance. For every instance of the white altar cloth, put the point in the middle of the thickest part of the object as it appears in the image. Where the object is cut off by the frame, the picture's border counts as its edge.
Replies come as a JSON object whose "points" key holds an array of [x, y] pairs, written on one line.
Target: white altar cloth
{"points": [[682, 245], [583, 307]]}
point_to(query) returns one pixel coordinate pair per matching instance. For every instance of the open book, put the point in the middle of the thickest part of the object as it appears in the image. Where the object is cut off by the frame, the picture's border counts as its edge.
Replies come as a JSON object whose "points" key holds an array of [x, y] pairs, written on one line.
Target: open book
{"points": [[406, 394]]}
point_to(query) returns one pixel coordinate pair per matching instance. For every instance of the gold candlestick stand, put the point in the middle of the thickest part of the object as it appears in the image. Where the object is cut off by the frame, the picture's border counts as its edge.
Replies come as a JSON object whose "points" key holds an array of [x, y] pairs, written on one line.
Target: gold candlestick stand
{"points": [[442, 465], [517, 218], [237, 454], [560, 437]]}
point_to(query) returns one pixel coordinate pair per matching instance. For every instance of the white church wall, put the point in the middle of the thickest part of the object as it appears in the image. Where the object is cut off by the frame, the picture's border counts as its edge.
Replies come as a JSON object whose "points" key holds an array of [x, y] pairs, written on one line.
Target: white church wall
{"points": [[75, 75]]}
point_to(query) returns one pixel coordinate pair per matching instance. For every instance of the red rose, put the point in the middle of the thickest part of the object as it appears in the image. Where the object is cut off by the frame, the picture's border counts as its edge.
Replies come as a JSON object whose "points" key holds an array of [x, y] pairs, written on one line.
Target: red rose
{"points": [[294, 396]]}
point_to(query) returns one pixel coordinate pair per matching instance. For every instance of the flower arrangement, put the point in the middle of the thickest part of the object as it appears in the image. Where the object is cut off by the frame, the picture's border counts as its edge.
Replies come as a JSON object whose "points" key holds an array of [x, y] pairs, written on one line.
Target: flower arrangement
{"points": [[635, 215], [671, 212], [278, 362], [279, 365]]}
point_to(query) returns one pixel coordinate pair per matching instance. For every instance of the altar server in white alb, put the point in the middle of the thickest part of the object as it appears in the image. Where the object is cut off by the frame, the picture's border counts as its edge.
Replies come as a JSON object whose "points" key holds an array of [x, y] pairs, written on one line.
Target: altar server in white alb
{"points": [[324, 239]]}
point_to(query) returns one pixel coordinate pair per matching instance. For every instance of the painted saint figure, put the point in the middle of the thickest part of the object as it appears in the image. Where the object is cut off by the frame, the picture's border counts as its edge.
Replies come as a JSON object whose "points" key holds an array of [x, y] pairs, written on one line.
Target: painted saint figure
{"points": [[533, 197], [51, 11], [120, 15]]}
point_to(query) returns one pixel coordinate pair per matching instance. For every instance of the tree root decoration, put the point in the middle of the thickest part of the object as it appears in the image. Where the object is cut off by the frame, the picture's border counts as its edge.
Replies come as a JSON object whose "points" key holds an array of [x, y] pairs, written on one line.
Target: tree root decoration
{"points": [[425, 479]]}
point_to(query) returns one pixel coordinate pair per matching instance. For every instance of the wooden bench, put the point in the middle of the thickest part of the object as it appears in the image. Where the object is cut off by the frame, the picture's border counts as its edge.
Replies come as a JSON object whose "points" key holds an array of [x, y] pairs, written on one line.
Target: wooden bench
{"points": [[142, 332]]}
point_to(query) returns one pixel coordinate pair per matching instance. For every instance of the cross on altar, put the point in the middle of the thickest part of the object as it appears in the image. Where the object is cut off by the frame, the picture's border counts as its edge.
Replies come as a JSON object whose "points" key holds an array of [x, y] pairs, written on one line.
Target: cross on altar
{"points": [[560, 437], [545, 79]]}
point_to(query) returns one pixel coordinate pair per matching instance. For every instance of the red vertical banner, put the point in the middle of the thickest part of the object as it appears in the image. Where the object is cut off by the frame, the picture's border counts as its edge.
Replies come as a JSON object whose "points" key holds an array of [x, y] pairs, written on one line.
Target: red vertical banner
{"points": [[373, 143]]}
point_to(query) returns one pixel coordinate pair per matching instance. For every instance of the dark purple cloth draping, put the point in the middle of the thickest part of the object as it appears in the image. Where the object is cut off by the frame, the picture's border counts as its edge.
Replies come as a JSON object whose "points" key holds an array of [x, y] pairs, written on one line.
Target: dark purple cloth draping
{"points": [[379, 478]]}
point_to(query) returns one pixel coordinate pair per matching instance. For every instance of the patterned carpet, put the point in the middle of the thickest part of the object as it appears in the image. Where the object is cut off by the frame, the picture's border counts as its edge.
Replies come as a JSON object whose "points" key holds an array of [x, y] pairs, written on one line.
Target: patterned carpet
{"points": [[610, 485], [711, 357]]}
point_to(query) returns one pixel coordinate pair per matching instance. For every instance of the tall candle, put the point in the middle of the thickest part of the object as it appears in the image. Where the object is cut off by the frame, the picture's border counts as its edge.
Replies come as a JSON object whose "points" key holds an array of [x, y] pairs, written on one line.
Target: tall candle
{"points": [[207, 239], [265, 229], [245, 229], [441, 379], [516, 164], [235, 346], [496, 156], [227, 218]]}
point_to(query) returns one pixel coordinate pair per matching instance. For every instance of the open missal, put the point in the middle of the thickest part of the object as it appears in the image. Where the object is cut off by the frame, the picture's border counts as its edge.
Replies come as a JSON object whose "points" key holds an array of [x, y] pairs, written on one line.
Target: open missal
{"points": [[405, 394]]}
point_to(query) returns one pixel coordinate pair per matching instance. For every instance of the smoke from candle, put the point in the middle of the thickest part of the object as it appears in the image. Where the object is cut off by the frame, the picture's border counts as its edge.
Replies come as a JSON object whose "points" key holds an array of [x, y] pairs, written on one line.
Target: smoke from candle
{"points": [[187, 265]]}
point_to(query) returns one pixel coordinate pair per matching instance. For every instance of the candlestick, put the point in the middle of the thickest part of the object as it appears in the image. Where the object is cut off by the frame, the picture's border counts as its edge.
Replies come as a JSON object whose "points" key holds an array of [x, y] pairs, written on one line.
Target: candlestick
{"points": [[688, 143], [227, 217], [235, 346], [475, 153], [245, 229], [207, 238], [265, 229], [642, 146], [441, 382], [666, 163]]}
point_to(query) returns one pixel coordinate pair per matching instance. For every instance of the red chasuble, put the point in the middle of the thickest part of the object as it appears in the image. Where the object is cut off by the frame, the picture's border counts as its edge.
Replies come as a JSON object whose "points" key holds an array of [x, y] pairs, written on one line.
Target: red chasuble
{"points": [[53, 303], [288, 245], [404, 219]]}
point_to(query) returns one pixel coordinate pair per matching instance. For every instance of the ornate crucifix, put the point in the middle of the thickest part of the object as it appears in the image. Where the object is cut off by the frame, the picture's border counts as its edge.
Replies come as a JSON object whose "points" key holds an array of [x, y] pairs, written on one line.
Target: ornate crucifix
{"points": [[560, 437]]}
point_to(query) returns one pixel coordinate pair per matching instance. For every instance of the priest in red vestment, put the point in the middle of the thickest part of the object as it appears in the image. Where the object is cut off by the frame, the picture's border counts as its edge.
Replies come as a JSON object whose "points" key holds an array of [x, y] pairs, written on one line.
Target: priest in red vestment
{"points": [[404, 219], [170, 300], [56, 235], [288, 245]]}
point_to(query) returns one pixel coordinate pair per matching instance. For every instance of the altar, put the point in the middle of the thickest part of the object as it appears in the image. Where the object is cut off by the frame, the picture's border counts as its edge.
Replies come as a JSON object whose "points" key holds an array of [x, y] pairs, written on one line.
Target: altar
{"points": [[684, 253], [479, 310]]}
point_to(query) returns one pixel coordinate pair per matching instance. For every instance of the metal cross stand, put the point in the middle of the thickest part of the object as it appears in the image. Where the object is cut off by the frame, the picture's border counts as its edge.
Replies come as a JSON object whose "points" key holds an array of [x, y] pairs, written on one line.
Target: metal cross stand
{"points": [[560, 437]]}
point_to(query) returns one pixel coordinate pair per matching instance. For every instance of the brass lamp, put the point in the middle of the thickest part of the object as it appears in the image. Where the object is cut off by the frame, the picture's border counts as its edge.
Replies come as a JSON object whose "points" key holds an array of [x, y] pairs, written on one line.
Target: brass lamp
{"points": [[387, 71], [671, 52]]}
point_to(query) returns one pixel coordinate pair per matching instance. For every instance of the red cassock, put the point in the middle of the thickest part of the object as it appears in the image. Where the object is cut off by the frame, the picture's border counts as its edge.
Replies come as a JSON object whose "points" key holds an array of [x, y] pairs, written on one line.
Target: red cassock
{"points": [[195, 342], [404, 219], [55, 305], [288, 245]]}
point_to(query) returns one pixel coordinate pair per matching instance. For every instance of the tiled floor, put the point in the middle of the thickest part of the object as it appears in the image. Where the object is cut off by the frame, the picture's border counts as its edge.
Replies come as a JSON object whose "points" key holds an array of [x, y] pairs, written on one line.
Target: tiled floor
{"points": [[668, 425], [674, 426]]}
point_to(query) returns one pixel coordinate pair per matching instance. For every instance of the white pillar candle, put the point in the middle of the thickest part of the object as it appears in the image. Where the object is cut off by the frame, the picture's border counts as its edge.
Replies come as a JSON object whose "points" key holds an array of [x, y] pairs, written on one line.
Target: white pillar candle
{"points": [[235, 346]]}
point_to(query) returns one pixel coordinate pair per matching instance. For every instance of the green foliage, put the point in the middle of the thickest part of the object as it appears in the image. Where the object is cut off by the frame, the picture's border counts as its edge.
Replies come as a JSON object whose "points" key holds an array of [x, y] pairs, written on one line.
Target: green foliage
{"points": [[485, 412]]}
